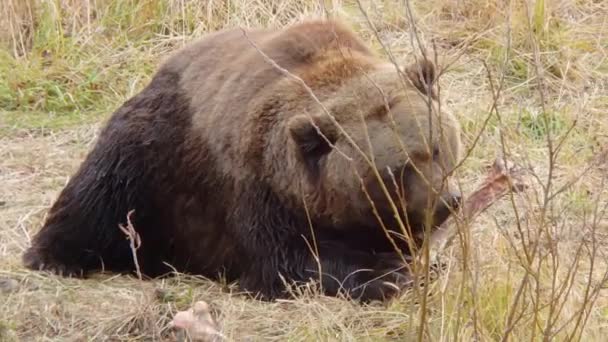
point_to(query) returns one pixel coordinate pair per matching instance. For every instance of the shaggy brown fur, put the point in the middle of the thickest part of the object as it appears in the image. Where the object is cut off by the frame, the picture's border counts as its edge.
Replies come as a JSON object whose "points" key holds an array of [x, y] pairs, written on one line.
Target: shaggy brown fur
{"points": [[225, 160]]}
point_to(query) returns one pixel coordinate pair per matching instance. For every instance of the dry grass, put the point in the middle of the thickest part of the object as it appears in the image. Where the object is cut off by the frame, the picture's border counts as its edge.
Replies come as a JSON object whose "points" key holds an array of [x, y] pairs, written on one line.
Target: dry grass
{"points": [[533, 267]]}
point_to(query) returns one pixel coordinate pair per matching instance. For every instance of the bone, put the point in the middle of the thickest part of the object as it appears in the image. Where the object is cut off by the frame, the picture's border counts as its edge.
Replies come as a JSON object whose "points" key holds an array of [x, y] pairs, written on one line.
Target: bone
{"points": [[197, 323], [502, 178]]}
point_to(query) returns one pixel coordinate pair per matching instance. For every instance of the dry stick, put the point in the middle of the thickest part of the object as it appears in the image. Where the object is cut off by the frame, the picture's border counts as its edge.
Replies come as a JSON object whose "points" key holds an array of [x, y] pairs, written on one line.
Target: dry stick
{"points": [[405, 228], [546, 186], [134, 241], [501, 179], [135, 244], [400, 72], [428, 101], [425, 251], [591, 296]]}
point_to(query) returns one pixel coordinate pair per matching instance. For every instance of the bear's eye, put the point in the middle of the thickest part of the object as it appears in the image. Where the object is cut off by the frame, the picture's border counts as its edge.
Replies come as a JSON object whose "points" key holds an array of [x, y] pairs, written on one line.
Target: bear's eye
{"points": [[435, 153]]}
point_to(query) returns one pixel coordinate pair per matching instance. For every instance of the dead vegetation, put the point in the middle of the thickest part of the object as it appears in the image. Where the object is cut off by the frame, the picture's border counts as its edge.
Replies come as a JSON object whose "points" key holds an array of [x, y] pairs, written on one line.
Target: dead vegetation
{"points": [[526, 79]]}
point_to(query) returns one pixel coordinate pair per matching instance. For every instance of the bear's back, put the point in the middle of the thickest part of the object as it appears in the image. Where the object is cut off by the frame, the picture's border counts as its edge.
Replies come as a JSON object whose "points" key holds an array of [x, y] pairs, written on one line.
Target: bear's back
{"points": [[226, 67], [227, 80], [232, 50]]}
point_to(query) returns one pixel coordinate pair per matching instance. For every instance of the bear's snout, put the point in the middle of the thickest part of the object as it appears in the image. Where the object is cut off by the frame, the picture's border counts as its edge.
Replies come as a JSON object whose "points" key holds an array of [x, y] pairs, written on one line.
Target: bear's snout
{"points": [[450, 203]]}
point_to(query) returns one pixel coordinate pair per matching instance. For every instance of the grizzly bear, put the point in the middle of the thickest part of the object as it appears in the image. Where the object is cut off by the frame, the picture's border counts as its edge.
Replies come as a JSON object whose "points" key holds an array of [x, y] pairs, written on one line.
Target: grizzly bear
{"points": [[267, 157]]}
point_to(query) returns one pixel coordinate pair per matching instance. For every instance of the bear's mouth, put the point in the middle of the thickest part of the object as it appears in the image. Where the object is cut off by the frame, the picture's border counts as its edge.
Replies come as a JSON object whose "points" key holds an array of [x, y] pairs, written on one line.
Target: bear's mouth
{"points": [[395, 181], [415, 220]]}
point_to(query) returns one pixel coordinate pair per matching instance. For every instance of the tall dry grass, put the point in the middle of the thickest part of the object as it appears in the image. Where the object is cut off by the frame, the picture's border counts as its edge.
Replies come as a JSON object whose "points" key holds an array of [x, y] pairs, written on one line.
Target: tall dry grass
{"points": [[527, 79]]}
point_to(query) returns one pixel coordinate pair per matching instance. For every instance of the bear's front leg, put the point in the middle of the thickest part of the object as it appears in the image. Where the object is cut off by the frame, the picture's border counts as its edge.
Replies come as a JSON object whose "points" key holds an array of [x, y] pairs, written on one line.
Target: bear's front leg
{"points": [[357, 274], [275, 247]]}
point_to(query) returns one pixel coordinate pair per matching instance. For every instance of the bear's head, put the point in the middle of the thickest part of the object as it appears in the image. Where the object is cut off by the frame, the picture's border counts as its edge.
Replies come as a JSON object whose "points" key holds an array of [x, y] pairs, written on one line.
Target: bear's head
{"points": [[387, 147]]}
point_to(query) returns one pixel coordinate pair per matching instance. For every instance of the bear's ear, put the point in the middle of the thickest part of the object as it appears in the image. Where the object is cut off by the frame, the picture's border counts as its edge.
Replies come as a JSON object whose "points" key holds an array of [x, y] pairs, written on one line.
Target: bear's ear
{"points": [[422, 76], [313, 136]]}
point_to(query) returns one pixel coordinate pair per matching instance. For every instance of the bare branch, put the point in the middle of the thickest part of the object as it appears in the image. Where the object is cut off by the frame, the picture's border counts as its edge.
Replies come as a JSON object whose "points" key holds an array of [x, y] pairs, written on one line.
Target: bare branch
{"points": [[134, 241]]}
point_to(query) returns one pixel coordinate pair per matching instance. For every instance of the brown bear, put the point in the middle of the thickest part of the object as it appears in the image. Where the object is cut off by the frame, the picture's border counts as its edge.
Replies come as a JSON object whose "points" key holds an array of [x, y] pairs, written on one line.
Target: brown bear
{"points": [[234, 168]]}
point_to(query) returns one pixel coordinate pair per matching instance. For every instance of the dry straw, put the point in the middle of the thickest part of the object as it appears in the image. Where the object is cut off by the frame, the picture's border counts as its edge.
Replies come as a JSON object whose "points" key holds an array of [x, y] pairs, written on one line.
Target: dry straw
{"points": [[526, 79]]}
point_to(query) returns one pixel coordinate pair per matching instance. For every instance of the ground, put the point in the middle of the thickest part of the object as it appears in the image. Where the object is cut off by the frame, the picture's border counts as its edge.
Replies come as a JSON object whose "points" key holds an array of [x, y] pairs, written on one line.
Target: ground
{"points": [[527, 79]]}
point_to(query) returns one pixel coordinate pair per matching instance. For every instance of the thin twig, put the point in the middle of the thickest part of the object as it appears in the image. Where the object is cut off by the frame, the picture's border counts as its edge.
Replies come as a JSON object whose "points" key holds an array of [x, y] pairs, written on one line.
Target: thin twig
{"points": [[134, 241]]}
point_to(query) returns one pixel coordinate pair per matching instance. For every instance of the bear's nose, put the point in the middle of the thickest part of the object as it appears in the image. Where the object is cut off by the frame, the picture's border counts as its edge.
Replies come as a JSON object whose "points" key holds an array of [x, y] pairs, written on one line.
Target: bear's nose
{"points": [[455, 201], [446, 207]]}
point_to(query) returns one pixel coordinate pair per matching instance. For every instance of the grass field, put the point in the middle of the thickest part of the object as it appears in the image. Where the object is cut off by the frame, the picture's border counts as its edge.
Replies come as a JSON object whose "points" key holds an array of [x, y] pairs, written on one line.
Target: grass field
{"points": [[525, 78]]}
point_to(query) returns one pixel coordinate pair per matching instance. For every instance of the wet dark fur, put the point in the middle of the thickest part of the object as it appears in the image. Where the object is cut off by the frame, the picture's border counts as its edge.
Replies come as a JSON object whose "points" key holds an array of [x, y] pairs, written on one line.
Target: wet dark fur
{"points": [[192, 216]]}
